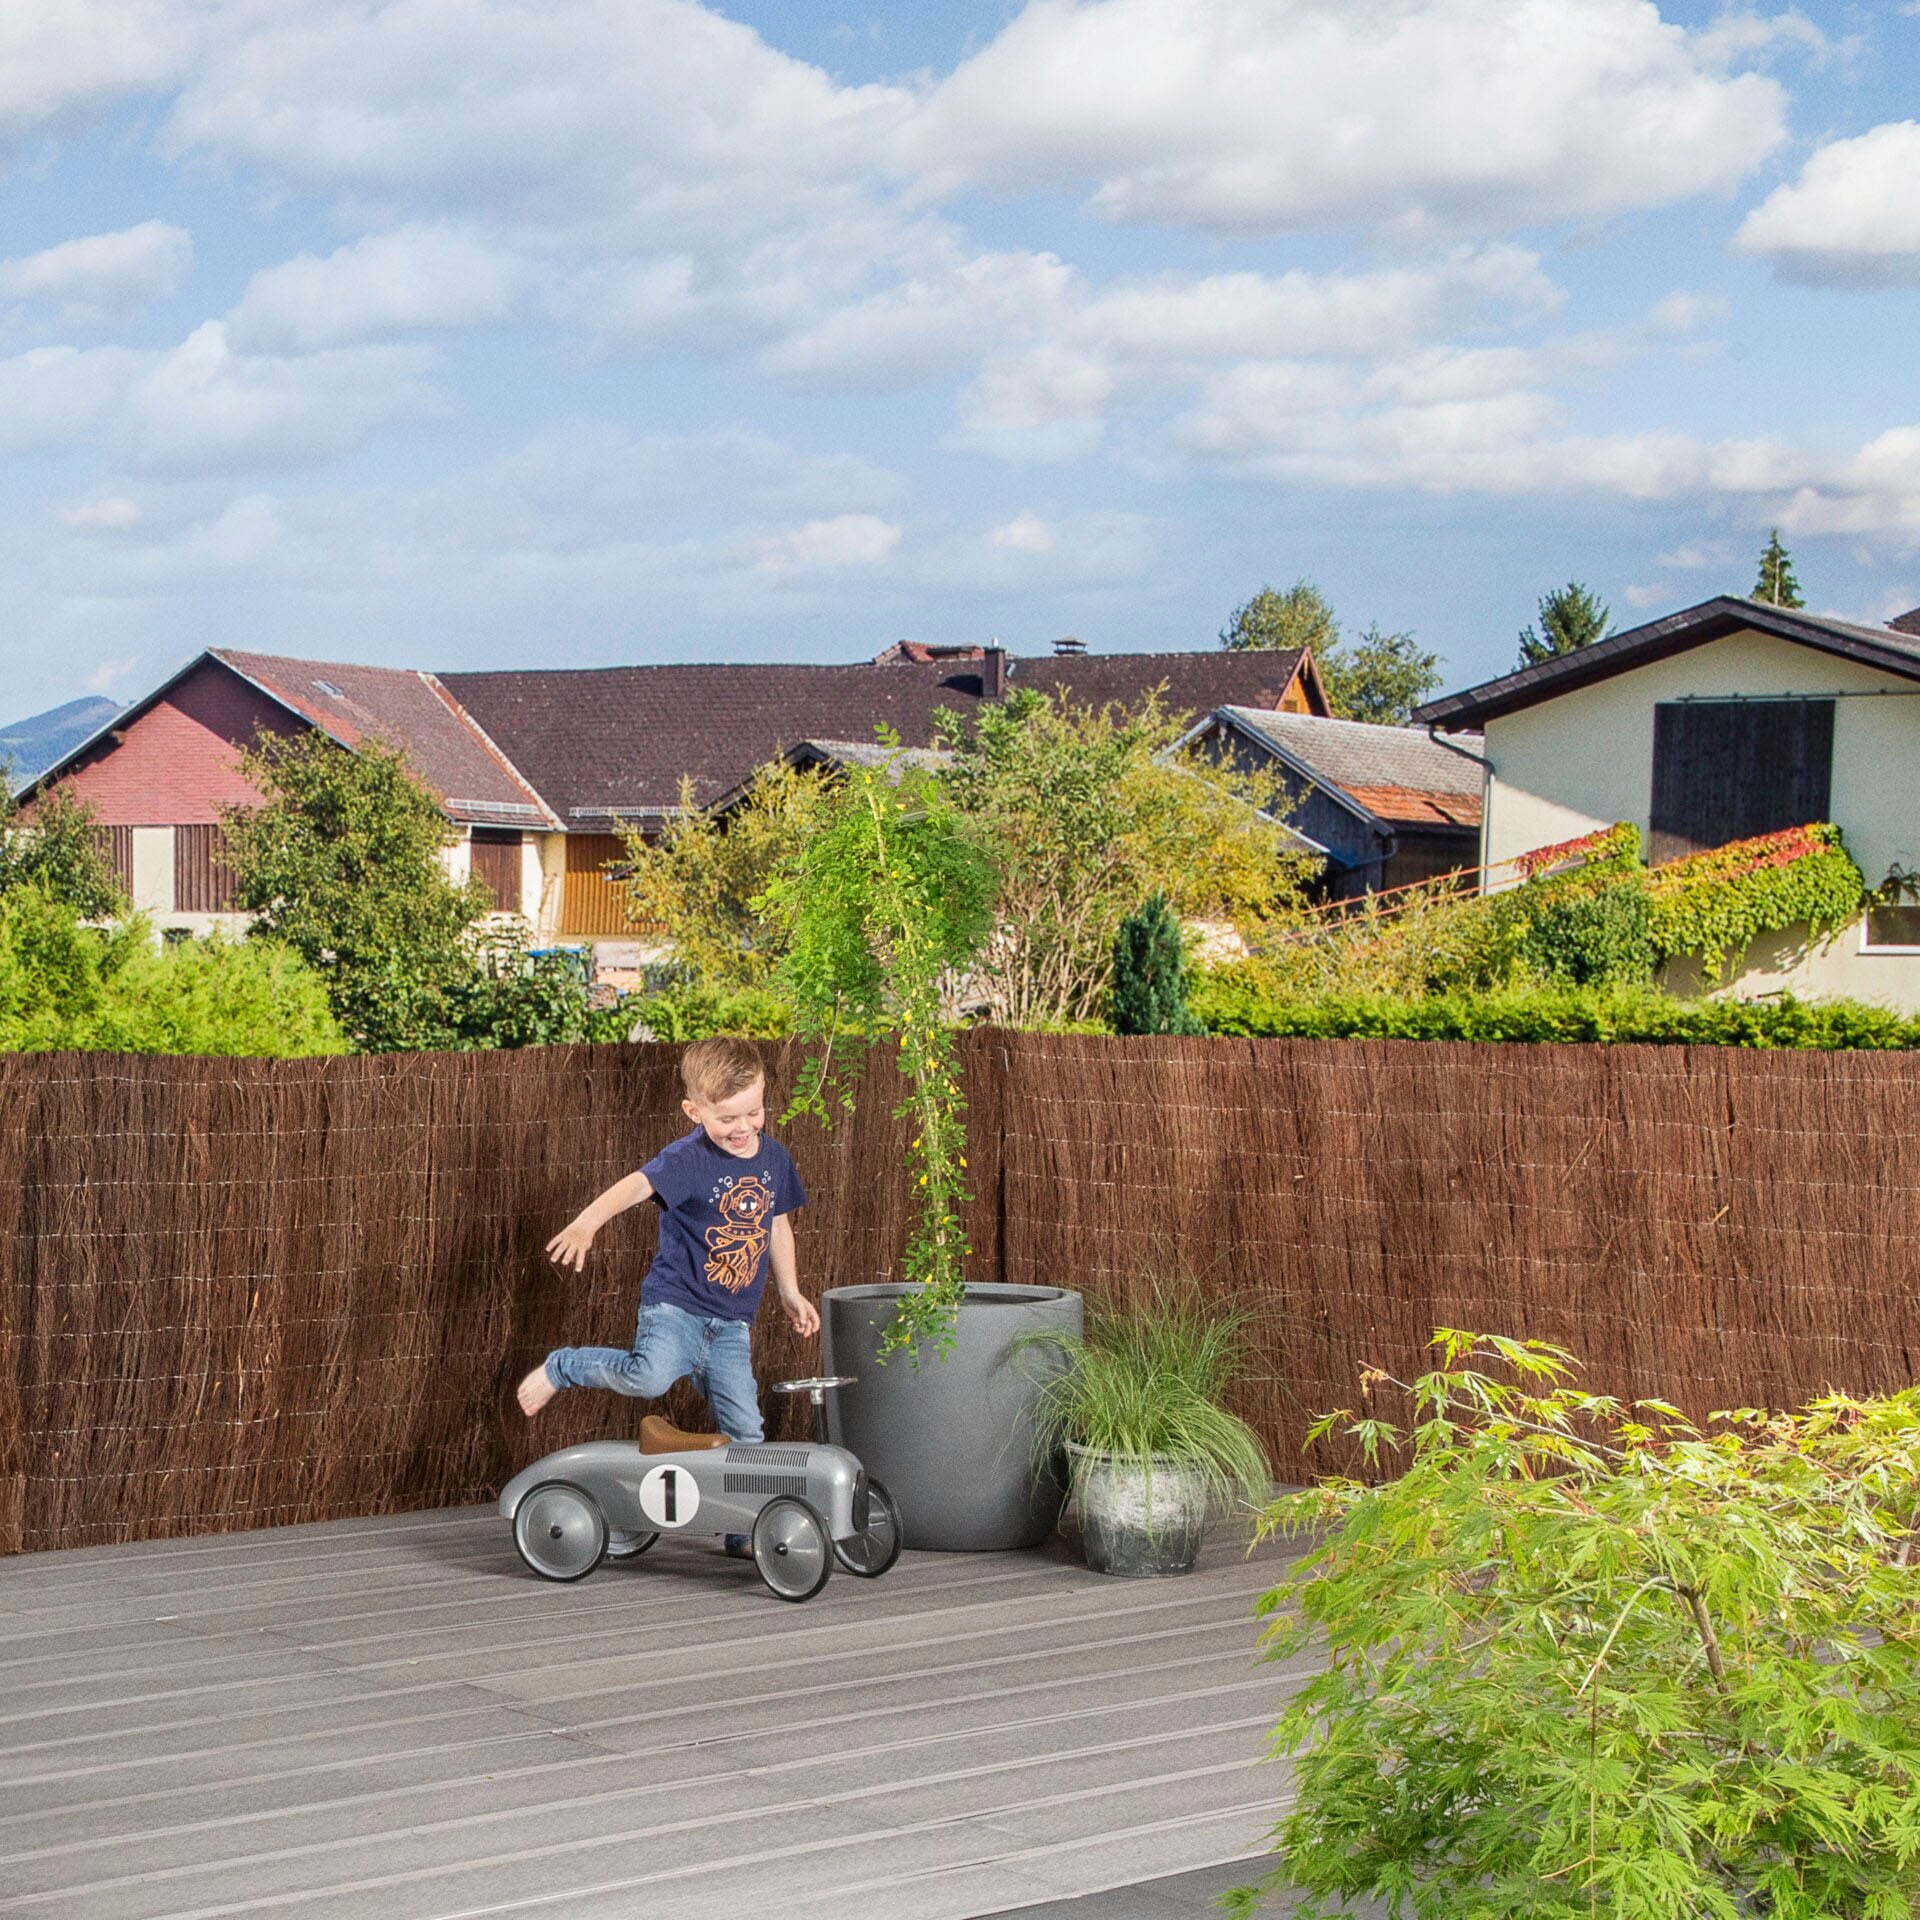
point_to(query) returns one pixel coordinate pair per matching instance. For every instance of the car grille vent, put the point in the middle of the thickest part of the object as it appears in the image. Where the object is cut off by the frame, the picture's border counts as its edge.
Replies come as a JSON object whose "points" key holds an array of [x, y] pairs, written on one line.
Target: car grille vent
{"points": [[755, 1455], [767, 1483]]}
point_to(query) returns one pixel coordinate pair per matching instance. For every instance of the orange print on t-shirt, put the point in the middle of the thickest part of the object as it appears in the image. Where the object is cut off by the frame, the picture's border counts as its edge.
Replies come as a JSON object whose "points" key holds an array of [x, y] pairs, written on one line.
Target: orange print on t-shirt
{"points": [[735, 1246]]}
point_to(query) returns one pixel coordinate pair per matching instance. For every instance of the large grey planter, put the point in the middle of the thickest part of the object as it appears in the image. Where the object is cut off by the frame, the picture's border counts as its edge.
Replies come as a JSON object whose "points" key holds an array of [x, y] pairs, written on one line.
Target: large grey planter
{"points": [[952, 1439]]}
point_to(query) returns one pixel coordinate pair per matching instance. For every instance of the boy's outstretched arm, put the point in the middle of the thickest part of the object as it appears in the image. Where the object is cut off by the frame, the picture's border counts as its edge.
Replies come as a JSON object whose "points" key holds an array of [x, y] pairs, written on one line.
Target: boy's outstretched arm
{"points": [[568, 1247], [786, 1279]]}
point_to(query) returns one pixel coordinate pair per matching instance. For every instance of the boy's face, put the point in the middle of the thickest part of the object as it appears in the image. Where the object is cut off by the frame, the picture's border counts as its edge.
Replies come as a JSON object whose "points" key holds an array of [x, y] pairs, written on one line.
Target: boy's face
{"points": [[733, 1124]]}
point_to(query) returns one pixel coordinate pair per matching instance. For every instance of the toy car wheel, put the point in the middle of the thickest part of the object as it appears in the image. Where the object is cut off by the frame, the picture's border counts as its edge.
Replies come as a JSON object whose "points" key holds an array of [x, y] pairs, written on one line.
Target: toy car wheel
{"points": [[560, 1531], [791, 1548], [629, 1546], [872, 1552]]}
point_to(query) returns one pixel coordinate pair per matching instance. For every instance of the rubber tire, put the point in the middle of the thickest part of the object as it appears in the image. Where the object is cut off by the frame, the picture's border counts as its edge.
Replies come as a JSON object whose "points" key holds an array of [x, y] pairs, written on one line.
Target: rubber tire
{"points": [[876, 1493], [764, 1550], [526, 1507], [642, 1543]]}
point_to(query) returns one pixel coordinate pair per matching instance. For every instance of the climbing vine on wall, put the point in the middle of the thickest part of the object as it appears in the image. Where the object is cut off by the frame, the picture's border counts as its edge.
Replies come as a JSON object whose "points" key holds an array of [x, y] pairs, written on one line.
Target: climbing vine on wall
{"points": [[1715, 904]]}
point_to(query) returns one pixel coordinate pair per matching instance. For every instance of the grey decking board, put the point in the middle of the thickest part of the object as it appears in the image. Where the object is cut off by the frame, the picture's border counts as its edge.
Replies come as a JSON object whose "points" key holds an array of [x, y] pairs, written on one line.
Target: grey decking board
{"points": [[1035, 1707]]}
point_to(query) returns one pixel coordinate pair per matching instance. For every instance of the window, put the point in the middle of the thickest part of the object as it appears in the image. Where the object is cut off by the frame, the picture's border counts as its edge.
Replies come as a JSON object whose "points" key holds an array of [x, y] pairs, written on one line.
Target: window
{"points": [[1892, 930], [496, 865], [1729, 769]]}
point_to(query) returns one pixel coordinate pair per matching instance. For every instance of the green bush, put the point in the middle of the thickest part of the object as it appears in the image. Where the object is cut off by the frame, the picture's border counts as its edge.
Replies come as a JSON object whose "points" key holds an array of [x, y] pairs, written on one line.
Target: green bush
{"points": [[1150, 972], [1587, 938], [63, 984], [1238, 999], [691, 1012], [1582, 1659]]}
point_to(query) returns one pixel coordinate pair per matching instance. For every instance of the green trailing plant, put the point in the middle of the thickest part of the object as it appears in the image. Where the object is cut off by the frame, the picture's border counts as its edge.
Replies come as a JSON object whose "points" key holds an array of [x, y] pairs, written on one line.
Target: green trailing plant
{"points": [[1581, 1658], [1144, 1385], [879, 906], [1239, 999], [1150, 972]]}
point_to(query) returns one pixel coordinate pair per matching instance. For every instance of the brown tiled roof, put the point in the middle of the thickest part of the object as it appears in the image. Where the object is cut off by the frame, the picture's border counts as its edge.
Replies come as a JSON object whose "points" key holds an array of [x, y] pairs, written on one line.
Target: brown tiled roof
{"points": [[1410, 807], [596, 740], [476, 782]]}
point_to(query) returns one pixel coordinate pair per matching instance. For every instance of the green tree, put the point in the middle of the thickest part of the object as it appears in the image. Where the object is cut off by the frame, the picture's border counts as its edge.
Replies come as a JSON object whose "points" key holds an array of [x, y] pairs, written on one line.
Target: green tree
{"points": [[1380, 677], [1571, 617], [343, 862], [1300, 617], [1086, 811], [704, 876], [1150, 972], [1776, 584], [1578, 1657], [59, 846]]}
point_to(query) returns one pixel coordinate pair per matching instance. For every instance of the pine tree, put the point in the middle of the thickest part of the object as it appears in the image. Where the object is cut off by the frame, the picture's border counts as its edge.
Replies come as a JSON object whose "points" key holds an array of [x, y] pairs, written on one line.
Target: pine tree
{"points": [[1571, 617], [1150, 972], [1776, 585]]}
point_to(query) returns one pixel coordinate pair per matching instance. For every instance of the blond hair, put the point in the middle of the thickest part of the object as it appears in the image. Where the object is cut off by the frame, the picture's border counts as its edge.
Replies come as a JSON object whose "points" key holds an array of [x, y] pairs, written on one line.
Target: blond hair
{"points": [[715, 1070]]}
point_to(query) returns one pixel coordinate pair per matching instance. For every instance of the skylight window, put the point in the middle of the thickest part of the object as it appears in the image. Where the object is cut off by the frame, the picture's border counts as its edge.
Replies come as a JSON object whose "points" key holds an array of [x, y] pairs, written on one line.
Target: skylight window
{"points": [[327, 686]]}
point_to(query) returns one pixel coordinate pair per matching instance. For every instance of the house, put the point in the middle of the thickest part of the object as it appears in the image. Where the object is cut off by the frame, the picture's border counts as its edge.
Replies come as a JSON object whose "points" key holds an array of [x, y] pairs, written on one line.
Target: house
{"points": [[541, 771], [1730, 719], [1388, 805]]}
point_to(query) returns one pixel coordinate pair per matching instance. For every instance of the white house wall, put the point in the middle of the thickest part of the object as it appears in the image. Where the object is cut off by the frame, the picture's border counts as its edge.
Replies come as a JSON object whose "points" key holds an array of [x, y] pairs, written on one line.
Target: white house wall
{"points": [[1585, 759]]}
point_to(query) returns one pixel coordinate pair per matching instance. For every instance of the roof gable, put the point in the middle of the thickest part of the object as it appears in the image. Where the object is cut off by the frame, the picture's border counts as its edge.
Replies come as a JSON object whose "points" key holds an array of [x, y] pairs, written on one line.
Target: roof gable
{"points": [[1887, 648]]}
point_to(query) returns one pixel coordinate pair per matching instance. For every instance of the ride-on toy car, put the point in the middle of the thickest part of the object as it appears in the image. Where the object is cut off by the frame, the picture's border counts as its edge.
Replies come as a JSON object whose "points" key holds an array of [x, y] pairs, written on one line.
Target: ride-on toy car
{"points": [[803, 1505]]}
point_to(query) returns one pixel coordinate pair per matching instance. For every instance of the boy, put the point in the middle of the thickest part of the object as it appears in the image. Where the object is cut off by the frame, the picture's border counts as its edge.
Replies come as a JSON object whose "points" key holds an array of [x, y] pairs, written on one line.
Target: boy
{"points": [[725, 1193]]}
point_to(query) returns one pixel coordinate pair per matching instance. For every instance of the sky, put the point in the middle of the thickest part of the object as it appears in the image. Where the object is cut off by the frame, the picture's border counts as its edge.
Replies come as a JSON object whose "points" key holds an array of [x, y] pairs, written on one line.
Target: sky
{"points": [[467, 333]]}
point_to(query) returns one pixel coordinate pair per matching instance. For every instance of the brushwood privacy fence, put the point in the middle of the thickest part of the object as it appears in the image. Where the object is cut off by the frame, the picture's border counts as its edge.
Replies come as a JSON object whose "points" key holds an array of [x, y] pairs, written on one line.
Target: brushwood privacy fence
{"points": [[237, 1294]]}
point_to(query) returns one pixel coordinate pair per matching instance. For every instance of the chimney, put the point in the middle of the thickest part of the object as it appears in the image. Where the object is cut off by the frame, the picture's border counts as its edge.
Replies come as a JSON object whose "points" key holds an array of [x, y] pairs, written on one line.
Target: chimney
{"points": [[993, 672], [1906, 622], [1069, 646]]}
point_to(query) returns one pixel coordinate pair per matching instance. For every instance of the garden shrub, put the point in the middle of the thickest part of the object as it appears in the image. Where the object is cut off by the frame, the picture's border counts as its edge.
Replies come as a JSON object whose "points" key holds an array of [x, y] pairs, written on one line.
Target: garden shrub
{"points": [[1240, 998], [1581, 1658], [694, 1012], [65, 984], [1150, 972], [1584, 937]]}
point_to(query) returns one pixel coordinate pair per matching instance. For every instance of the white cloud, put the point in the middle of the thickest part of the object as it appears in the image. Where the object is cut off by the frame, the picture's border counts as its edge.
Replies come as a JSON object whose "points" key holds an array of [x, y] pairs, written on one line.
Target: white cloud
{"points": [[205, 407], [102, 276], [1642, 597], [1025, 533], [113, 514], [1851, 219], [414, 278], [1683, 313], [52, 396], [1693, 555], [848, 540], [63, 59], [108, 674], [1269, 115]]}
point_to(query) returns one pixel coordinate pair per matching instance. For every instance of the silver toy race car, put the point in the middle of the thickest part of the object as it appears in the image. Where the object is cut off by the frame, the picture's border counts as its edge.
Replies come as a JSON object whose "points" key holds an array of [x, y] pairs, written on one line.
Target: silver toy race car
{"points": [[803, 1505]]}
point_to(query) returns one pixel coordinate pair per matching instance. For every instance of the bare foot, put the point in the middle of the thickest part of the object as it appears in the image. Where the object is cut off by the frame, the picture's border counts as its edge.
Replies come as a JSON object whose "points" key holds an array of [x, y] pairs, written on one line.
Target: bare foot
{"points": [[535, 1391]]}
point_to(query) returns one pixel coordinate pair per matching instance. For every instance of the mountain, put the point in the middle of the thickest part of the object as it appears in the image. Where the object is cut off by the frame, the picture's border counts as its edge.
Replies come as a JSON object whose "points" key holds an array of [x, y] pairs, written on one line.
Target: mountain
{"points": [[38, 742]]}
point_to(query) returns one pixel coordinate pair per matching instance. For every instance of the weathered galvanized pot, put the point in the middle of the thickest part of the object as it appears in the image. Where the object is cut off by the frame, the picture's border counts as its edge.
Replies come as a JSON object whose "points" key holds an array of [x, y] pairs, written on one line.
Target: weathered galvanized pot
{"points": [[952, 1438], [1134, 1522]]}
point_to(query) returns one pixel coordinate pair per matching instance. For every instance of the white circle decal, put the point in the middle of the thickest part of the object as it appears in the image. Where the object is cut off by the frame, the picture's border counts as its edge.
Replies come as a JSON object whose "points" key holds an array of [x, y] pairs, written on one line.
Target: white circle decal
{"points": [[669, 1496]]}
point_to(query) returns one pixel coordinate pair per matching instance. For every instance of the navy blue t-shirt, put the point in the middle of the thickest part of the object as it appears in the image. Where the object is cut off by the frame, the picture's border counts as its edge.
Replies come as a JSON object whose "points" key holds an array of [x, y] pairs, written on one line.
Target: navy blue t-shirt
{"points": [[716, 1224]]}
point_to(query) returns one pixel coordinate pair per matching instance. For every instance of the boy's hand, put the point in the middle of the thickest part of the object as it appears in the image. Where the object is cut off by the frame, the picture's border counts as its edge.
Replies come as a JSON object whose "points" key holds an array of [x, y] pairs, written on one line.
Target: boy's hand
{"points": [[568, 1247], [803, 1313]]}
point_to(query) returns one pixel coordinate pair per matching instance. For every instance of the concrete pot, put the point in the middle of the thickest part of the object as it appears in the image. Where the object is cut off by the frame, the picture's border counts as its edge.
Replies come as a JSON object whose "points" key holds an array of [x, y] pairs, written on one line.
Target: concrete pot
{"points": [[951, 1439], [1132, 1523]]}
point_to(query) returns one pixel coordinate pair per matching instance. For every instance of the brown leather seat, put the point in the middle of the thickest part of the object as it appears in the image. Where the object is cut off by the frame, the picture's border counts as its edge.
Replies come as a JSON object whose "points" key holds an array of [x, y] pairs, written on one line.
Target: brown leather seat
{"points": [[658, 1435]]}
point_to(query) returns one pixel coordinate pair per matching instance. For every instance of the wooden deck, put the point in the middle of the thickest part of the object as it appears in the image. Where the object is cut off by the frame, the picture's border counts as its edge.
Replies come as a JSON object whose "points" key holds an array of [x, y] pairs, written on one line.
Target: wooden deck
{"points": [[390, 1720]]}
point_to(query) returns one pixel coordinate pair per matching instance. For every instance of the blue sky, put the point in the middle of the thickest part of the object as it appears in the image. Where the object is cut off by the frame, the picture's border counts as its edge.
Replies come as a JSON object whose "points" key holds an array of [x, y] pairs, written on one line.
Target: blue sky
{"points": [[507, 332]]}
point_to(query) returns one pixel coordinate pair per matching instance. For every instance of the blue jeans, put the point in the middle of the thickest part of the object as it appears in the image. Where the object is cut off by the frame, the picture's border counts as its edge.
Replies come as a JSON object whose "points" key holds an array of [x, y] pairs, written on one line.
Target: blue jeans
{"points": [[672, 1344]]}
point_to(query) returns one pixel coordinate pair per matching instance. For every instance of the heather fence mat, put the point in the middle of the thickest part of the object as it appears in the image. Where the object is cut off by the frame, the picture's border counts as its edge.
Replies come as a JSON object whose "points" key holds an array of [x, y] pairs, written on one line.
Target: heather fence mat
{"points": [[239, 1293]]}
